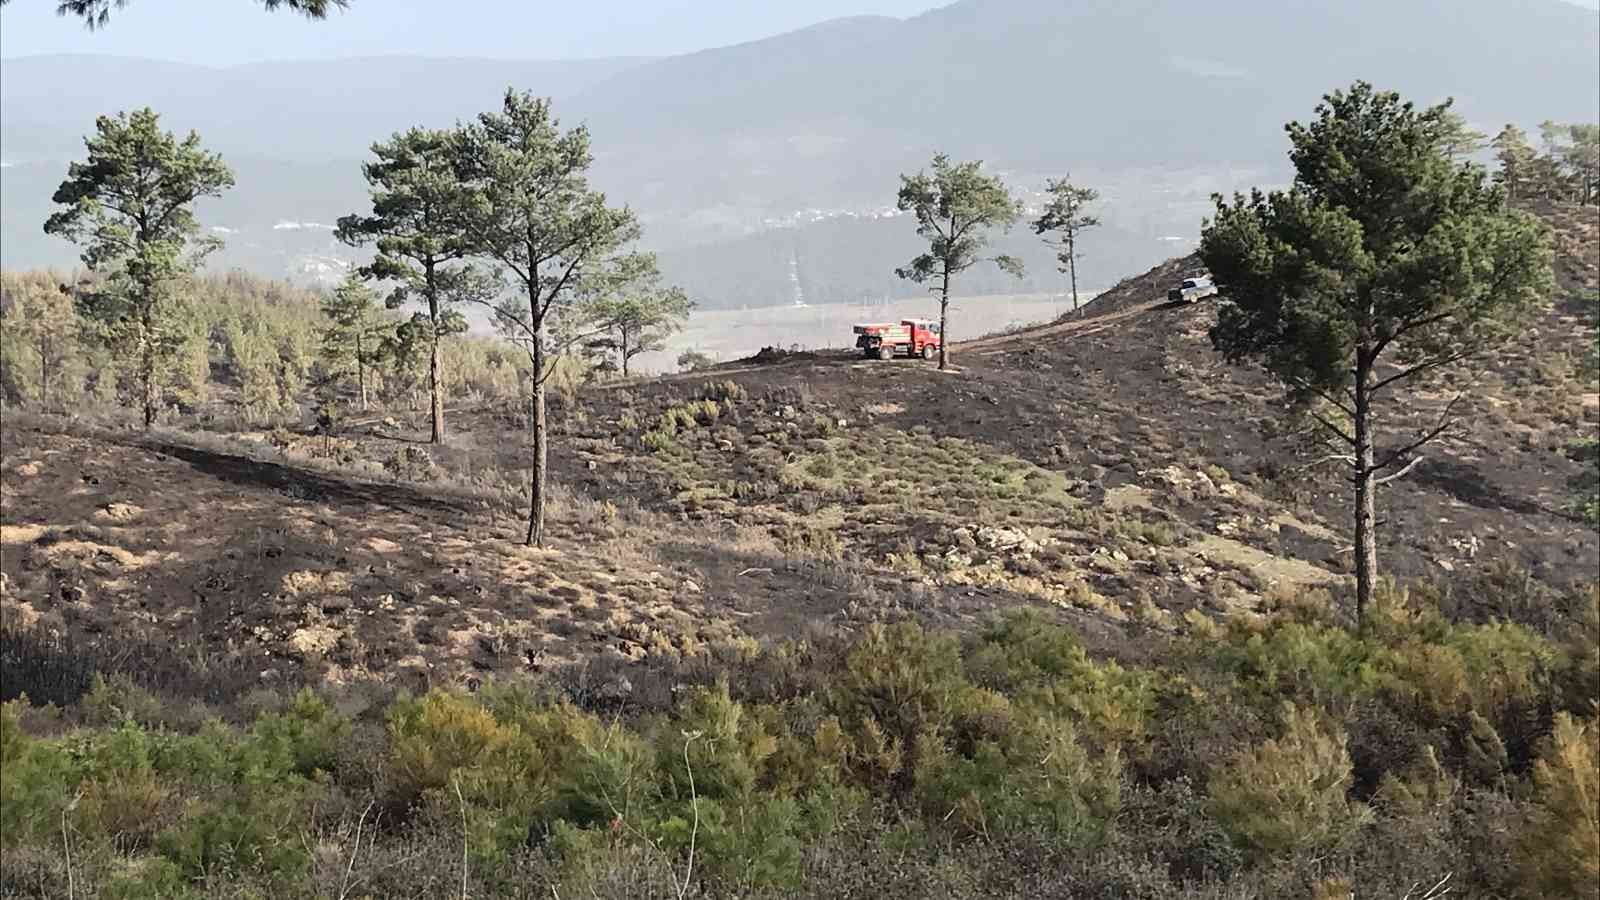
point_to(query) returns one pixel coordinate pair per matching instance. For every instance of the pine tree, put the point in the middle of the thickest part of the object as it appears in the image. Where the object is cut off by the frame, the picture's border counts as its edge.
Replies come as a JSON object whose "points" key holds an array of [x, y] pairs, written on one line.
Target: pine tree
{"points": [[416, 199], [96, 13], [353, 342], [129, 207], [1515, 156], [1383, 253], [533, 212], [955, 207], [637, 314], [40, 357], [1064, 215]]}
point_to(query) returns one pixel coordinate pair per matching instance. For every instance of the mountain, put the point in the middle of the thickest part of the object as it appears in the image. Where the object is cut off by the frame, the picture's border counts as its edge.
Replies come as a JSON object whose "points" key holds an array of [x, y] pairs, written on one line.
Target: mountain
{"points": [[1157, 103], [1039, 84], [304, 110]]}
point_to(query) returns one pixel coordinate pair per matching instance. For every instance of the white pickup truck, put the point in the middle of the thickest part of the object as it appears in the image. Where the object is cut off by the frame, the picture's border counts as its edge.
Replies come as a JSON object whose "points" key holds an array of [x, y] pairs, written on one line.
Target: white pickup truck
{"points": [[1193, 290]]}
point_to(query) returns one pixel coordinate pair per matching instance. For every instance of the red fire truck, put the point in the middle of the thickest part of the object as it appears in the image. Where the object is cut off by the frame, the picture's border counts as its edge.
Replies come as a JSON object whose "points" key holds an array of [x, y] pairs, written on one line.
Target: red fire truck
{"points": [[908, 337]]}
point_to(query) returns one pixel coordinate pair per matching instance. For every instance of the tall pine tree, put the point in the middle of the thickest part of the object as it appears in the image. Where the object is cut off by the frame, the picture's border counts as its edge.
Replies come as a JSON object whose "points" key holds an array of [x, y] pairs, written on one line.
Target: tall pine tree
{"points": [[129, 206]]}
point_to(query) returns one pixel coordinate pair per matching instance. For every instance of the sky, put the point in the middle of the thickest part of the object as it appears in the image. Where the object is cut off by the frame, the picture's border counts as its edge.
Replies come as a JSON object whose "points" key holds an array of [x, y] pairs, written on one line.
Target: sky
{"points": [[222, 32]]}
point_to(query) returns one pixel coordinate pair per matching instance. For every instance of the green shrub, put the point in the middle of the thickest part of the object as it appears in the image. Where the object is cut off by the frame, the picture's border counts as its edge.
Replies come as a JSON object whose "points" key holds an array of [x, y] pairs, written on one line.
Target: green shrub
{"points": [[1289, 794], [722, 391], [824, 467], [1034, 774], [434, 736], [1308, 663], [256, 830], [1559, 850], [1044, 667], [657, 440], [305, 737]]}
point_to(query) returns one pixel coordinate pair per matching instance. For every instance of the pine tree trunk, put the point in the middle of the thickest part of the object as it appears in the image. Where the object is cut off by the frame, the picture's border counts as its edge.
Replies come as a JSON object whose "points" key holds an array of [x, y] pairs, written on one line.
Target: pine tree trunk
{"points": [[624, 334], [1072, 266], [536, 490], [44, 372], [944, 327], [361, 372], [1366, 542], [434, 387], [147, 370]]}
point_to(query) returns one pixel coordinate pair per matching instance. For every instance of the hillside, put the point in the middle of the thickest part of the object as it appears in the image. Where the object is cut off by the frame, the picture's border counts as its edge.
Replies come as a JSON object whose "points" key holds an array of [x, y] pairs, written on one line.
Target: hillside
{"points": [[1071, 619], [1110, 466]]}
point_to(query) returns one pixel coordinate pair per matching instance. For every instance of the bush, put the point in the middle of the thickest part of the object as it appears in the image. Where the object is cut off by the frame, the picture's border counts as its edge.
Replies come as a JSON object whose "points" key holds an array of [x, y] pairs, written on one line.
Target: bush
{"points": [[1559, 850], [410, 464], [1289, 794], [724, 392], [695, 361]]}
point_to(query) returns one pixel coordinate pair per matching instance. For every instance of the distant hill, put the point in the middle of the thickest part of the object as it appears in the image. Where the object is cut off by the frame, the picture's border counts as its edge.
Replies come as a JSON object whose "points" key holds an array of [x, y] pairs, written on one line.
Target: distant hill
{"points": [[307, 110], [1157, 102]]}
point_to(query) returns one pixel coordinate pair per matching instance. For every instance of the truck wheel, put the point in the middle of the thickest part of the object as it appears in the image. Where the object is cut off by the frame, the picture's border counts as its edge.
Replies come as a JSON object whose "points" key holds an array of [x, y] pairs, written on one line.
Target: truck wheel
{"points": [[928, 352], [886, 352]]}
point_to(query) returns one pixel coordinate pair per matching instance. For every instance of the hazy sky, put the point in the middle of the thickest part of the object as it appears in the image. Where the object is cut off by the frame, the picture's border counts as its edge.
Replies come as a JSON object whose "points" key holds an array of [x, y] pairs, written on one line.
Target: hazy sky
{"points": [[218, 32]]}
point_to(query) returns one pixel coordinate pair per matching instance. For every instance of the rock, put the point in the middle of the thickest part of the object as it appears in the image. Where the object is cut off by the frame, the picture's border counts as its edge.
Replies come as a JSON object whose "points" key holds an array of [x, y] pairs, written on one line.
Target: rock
{"points": [[312, 641], [1467, 546], [691, 587], [844, 423], [619, 688], [1445, 564], [118, 512], [591, 465], [27, 470], [725, 446], [1119, 556], [1013, 540]]}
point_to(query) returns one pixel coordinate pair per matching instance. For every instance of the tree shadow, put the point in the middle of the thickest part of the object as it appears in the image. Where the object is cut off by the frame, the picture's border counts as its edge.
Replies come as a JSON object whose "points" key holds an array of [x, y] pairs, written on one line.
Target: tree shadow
{"points": [[1465, 482], [305, 484]]}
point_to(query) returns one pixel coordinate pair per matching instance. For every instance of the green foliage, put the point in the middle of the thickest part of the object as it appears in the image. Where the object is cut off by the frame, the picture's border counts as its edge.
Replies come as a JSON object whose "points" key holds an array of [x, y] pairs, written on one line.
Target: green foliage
{"points": [[1383, 250], [354, 342], [694, 361], [1516, 160], [129, 207], [632, 310], [1457, 140], [1288, 794], [526, 204], [906, 740], [42, 358], [304, 738], [96, 13], [955, 206], [420, 251], [724, 392], [1063, 215], [1559, 851], [1312, 275], [1574, 160]]}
